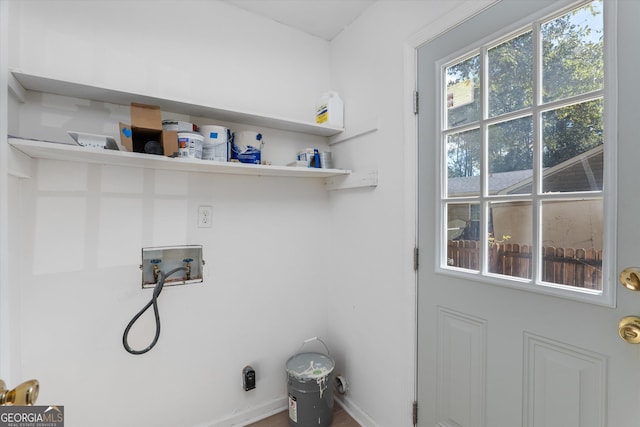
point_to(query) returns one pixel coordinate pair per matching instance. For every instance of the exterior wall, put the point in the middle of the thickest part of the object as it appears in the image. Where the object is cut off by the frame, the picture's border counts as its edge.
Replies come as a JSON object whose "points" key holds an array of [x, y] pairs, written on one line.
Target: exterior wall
{"points": [[574, 225]]}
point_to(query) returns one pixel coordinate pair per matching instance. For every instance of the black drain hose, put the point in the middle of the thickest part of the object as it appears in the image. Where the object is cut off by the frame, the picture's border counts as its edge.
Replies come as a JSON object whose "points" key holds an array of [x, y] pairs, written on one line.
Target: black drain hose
{"points": [[154, 302]]}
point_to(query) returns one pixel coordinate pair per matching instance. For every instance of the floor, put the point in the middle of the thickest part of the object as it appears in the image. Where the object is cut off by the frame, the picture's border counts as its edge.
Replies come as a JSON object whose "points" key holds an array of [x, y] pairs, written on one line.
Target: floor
{"points": [[340, 419]]}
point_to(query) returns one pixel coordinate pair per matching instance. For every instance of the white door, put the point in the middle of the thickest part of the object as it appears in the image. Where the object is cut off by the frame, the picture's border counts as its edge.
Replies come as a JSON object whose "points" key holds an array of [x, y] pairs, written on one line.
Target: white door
{"points": [[498, 351]]}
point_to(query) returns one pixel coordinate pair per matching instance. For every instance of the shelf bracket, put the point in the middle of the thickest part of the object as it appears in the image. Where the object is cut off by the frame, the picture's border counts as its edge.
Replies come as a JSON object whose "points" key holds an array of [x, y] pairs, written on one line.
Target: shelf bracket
{"points": [[17, 89], [360, 132], [20, 165], [354, 180]]}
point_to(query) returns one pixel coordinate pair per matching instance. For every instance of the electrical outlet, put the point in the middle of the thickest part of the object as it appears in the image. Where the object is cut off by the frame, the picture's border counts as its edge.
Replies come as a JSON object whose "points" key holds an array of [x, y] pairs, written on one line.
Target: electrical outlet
{"points": [[205, 216]]}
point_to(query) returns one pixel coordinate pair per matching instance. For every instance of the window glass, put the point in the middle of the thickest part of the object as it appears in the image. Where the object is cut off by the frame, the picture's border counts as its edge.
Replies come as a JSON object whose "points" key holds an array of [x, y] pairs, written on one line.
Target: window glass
{"points": [[463, 163], [510, 75], [509, 246], [572, 154], [572, 243], [463, 235], [573, 47], [525, 175], [510, 146], [463, 92]]}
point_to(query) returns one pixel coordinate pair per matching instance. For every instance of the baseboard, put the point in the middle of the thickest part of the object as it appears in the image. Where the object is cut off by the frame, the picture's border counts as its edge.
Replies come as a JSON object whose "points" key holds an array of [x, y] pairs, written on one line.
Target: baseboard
{"points": [[252, 415], [355, 412]]}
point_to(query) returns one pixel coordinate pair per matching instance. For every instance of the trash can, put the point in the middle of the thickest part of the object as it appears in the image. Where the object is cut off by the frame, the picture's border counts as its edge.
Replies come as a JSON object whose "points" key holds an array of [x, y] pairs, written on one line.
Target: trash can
{"points": [[310, 387]]}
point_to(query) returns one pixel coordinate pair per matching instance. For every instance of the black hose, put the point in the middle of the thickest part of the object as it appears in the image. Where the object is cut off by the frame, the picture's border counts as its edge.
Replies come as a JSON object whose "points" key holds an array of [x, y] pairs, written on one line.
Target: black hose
{"points": [[154, 302]]}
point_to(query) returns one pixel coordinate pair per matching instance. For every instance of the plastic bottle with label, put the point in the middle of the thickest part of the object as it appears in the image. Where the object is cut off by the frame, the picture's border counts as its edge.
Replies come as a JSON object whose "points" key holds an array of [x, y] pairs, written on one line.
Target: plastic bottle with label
{"points": [[330, 110]]}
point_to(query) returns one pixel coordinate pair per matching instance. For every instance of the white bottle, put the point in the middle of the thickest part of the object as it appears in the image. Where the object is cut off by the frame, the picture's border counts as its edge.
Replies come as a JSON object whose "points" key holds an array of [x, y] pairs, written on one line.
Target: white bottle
{"points": [[330, 110]]}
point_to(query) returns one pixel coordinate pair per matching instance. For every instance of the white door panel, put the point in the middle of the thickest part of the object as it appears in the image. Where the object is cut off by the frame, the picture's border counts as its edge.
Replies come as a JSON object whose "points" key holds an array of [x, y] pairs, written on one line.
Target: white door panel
{"points": [[494, 356]]}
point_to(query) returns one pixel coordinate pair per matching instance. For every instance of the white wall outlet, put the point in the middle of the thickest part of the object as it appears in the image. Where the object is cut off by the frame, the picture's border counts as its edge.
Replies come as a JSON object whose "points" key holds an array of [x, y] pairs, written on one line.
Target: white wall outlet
{"points": [[205, 216]]}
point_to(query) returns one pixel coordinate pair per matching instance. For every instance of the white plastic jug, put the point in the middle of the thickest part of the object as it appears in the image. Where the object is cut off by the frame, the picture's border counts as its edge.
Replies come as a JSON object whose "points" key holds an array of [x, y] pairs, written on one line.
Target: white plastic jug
{"points": [[330, 110]]}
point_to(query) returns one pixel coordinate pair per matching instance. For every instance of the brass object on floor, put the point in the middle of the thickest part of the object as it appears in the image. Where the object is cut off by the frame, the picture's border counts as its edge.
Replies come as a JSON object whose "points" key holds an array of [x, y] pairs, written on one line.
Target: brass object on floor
{"points": [[23, 395]]}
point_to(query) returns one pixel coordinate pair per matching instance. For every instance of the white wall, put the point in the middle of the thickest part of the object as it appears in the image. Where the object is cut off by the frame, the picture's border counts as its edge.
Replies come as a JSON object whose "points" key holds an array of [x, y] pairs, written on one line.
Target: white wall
{"points": [[336, 264], [77, 229], [372, 310], [80, 285], [201, 51]]}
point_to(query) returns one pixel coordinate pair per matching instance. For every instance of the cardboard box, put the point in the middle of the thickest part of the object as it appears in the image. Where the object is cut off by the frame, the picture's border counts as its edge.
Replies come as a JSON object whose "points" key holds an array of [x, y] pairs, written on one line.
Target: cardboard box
{"points": [[146, 116], [146, 125], [134, 139]]}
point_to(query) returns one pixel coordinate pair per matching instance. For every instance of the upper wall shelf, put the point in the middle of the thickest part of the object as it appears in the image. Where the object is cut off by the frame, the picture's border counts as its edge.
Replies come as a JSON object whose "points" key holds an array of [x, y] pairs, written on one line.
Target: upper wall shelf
{"points": [[84, 91], [56, 151]]}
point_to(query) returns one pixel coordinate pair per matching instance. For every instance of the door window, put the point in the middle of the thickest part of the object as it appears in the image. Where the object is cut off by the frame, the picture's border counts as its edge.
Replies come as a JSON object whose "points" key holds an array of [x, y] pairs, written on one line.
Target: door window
{"points": [[523, 156]]}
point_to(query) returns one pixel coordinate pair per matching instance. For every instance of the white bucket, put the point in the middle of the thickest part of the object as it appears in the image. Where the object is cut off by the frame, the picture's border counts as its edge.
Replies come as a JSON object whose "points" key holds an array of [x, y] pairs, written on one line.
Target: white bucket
{"points": [[247, 147], [216, 143], [179, 126], [190, 145]]}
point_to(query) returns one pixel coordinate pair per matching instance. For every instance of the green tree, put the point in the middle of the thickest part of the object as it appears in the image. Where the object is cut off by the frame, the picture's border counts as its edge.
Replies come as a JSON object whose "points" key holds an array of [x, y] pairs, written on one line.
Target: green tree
{"points": [[572, 64]]}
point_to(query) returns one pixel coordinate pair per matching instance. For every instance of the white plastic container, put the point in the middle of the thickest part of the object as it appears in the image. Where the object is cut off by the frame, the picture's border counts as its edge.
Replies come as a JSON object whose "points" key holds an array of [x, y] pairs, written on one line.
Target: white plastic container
{"points": [[247, 147], [179, 126], [217, 142], [190, 145], [330, 110]]}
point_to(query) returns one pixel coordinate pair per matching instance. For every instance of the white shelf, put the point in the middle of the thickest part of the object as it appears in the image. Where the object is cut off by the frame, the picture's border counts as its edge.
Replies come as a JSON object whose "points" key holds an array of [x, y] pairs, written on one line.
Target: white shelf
{"points": [[87, 91], [56, 151]]}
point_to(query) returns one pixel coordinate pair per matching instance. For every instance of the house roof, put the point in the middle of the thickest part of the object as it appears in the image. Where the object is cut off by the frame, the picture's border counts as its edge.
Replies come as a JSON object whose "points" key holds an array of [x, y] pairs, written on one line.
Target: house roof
{"points": [[468, 185], [583, 172]]}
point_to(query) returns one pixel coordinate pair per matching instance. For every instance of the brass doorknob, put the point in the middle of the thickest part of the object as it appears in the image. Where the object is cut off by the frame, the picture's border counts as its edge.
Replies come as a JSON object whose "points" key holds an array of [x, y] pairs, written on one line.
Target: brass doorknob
{"points": [[630, 278], [24, 394], [629, 329]]}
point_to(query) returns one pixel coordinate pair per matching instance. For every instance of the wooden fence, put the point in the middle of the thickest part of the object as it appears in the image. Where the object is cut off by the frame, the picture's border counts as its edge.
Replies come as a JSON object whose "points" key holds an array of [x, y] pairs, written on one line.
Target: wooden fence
{"points": [[566, 266]]}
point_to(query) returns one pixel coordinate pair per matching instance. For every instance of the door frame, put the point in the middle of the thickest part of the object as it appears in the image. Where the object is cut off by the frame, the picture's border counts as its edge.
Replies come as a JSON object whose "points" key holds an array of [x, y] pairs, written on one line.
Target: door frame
{"points": [[6, 298]]}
